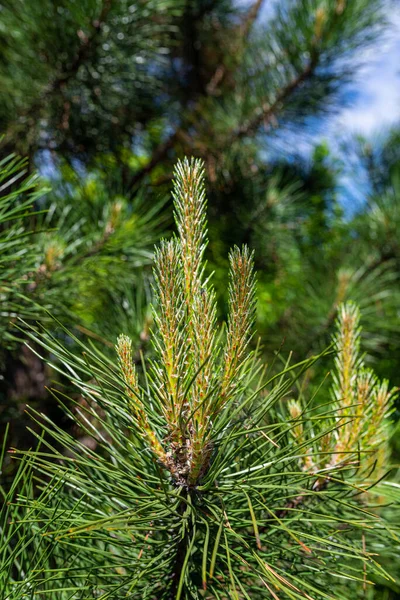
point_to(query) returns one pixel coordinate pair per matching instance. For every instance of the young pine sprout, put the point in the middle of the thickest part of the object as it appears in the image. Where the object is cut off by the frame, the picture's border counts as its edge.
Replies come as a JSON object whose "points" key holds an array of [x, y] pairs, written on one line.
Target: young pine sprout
{"points": [[363, 404], [129, 375], [193, 376]]}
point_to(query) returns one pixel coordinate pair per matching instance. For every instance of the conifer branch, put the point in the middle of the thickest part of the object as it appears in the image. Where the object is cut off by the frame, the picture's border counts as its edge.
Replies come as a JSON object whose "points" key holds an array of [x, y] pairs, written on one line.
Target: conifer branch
{"points": [[191, 494], [265, 116], [193, 384], [59, 81]]}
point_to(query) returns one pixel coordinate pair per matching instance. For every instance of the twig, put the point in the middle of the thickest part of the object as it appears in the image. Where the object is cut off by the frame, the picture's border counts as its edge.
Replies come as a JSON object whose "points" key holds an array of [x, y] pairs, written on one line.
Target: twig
{"points": [[269, 110], [61, 79], [250, 19], [244, 32]]}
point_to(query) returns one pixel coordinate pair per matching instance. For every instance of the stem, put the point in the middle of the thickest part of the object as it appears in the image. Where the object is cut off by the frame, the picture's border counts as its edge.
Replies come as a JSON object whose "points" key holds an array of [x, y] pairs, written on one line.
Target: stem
{"points": [[181, 548]]}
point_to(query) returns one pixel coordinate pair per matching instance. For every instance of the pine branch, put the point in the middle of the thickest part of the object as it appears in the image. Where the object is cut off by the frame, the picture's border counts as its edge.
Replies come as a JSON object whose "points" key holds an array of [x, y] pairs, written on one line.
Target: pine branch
{"points": [[193, 385], [250, 19], [61, 79], [241, 38], [266, 114], [87, 42], [362, 407], [263, 116], [197, 492], [216, 80]]}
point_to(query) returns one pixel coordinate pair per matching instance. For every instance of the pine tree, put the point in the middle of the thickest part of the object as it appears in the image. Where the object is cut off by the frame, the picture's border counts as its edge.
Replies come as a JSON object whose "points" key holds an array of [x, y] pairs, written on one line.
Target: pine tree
{"points": [[213, 478]]}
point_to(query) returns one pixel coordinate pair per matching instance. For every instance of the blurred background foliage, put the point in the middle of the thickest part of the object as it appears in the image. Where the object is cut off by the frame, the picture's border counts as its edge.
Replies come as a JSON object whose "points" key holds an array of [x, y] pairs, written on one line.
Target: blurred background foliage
{"points": [[102, 97]]}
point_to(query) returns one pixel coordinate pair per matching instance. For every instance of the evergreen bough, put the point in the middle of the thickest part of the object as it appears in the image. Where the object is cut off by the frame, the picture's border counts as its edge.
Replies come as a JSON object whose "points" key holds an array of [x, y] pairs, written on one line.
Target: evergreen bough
{"points": [[211, 478]]}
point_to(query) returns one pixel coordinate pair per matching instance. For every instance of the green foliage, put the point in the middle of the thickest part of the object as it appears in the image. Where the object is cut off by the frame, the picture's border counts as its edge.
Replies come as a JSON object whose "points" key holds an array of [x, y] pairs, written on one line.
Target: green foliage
{"points": [[362, 406], [18, 195], [99, 244], [169, 77], [212, 477], [83, 252], [120, 89], [97, 67], [310, 256], [77, 237]]}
